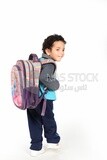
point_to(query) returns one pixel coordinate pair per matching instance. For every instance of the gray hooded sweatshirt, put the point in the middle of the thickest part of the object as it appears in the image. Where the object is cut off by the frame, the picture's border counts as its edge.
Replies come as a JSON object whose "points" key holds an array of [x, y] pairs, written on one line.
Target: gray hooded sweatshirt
{"points": [[47, 76]]}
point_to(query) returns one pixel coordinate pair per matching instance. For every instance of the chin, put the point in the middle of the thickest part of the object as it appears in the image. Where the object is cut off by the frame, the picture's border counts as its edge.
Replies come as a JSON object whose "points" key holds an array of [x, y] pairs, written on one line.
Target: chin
{"points": [[58, 59]]}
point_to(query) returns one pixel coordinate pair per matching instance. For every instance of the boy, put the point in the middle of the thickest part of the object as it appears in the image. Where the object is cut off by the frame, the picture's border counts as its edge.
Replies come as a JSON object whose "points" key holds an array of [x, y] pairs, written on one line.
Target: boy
{"points": [[53, 48]]}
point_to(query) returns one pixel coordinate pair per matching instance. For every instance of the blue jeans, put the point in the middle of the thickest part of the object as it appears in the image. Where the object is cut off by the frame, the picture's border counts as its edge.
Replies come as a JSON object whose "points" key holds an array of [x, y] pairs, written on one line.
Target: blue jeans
{"points": [[37, 123]]}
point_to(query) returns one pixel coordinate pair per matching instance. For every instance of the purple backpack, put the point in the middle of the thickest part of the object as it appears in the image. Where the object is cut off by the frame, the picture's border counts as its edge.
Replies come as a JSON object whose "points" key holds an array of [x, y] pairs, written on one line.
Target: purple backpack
{"points": [[25, 83]]}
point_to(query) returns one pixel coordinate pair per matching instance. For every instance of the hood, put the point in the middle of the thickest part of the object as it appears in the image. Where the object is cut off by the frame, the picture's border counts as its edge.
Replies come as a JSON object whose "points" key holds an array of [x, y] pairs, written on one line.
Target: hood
{"points": [[46, 56]]}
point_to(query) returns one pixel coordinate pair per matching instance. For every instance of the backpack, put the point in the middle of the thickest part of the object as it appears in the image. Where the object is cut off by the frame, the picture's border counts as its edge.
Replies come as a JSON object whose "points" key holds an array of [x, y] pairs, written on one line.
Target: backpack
{"points": [[25, 83]]}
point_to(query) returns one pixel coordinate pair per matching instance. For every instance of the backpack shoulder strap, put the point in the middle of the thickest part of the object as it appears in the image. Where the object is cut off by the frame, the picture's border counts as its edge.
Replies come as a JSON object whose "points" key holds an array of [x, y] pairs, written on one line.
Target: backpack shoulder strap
{"points": [[47, 61], [44, 60]]}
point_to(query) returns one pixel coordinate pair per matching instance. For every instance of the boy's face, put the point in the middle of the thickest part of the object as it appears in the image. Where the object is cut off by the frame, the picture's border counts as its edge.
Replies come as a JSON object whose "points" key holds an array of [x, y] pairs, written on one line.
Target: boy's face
{"points": [[57, 50]]}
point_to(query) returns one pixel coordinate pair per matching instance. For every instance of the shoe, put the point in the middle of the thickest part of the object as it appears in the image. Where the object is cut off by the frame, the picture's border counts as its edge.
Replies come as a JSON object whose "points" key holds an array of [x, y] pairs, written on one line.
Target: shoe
{"points": [[35, 153], [53, 146]]}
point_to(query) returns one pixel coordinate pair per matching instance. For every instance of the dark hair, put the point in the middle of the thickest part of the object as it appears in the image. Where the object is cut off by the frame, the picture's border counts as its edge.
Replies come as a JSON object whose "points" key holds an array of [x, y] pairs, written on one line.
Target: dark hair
{"points": [[48, 42]]}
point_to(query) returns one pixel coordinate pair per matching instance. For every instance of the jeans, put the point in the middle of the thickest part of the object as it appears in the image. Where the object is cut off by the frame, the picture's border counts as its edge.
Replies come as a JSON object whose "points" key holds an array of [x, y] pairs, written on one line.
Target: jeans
{"points": [[37, 123]]}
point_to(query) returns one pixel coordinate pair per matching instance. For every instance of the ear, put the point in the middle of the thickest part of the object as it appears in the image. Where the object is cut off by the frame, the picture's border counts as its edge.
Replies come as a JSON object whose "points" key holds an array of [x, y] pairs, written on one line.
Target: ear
{"points": [[47, 51]]}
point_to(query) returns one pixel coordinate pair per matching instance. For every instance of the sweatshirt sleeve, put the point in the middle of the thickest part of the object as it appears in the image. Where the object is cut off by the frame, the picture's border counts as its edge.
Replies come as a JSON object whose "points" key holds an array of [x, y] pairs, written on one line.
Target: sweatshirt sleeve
{"points": [[47, 77]]}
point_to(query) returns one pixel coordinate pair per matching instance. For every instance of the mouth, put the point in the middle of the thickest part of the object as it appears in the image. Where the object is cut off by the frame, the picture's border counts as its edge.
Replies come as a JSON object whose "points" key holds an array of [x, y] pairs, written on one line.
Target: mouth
{"points": [[59, 58]]}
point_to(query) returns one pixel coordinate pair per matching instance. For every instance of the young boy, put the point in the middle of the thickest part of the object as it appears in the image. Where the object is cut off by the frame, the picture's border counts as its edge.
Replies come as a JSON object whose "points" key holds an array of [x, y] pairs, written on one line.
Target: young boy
{"points": [[53, 48]]}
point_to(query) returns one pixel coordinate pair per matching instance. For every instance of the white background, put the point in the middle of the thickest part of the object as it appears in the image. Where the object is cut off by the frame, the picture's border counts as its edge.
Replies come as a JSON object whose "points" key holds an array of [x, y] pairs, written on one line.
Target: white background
{"points": [[81, 115]]}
